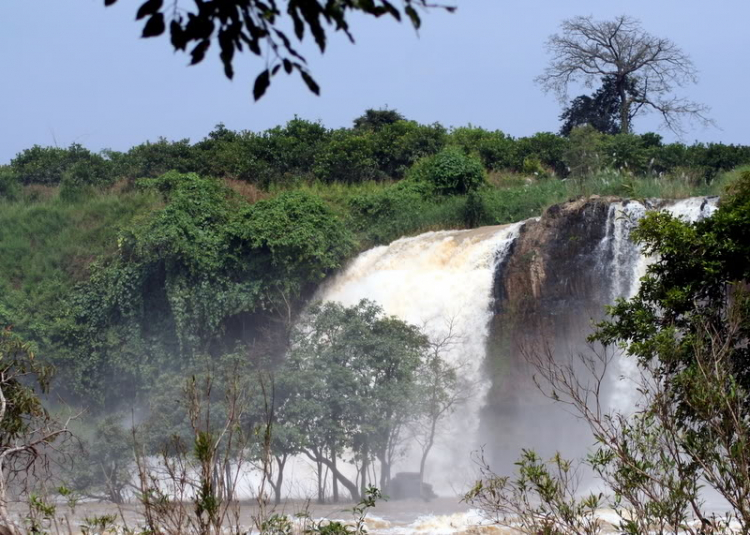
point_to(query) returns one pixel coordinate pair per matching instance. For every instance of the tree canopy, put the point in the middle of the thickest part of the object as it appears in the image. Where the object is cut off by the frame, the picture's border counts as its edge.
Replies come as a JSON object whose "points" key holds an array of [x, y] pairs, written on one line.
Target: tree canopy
{"points": [[600, 110], [644, 69], [261, 27]]}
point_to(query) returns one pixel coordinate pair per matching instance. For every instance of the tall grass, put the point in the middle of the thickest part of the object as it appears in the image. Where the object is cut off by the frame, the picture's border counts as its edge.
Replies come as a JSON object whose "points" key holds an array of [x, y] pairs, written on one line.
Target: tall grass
{"points": [[47, 245]]}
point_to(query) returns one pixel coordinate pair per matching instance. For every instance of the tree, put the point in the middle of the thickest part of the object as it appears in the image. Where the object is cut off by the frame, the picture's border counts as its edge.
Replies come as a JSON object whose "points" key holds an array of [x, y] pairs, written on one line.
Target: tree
{"points": [[601, 110], [373, 120], [441, 391], [350, 380], [589, 49], [26, 427], [261, 27]]}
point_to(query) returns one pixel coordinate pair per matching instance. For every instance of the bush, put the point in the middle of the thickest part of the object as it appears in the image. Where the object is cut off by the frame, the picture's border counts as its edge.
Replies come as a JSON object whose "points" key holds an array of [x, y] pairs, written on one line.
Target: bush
{"points": [[474, 211], [496, 150], [548, 148], [584, 154], [150, 160], [348, 158], [399, 145], [10, 188], [450, 172], [47, 165]]}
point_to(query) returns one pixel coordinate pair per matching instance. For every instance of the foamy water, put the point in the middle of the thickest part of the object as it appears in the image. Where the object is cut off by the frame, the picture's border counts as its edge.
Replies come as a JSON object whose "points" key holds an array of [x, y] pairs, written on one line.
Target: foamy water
{"points": [[438, 281]]}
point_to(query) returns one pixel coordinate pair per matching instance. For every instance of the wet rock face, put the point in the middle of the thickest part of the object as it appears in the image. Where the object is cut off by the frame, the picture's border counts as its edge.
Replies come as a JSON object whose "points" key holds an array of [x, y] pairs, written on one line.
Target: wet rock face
{"points": [[551, 286]]}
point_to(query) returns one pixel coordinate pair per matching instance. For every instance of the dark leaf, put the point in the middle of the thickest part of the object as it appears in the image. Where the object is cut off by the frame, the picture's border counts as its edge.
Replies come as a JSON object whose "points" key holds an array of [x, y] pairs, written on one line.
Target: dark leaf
{"points": [[287, 66], [414, 16], [261, 84], [275, 70], [154, 26], [179, 41], [312, 85], [199, 51], [149, 8], [109, 2]]}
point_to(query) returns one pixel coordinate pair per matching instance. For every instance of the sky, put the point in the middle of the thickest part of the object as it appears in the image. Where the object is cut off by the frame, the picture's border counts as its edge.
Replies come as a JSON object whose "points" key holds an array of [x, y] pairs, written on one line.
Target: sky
{"points": [[74, 71]]}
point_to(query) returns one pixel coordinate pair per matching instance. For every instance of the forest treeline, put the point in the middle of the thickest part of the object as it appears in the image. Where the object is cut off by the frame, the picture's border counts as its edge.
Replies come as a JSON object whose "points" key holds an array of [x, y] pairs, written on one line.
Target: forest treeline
{"points": [[381, 145]]}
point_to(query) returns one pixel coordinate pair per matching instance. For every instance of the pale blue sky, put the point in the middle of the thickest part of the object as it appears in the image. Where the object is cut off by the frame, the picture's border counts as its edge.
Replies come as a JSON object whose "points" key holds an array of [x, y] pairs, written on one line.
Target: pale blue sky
{"points": [[74, 71]]}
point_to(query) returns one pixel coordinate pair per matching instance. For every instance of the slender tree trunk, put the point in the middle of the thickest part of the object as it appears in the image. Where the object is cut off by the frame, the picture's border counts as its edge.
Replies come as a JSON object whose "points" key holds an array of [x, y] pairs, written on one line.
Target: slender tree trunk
{"points": [[321, 491], [385, 468], [426, 452], [624, 106], [334, 480], [365, 465]]}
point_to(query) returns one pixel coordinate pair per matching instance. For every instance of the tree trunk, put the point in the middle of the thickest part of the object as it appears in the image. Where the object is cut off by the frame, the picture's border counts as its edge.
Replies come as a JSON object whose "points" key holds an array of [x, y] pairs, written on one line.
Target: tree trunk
{"points": [[426, 452], [385, 469], [335, 481], [281, 462], [624, 105], [348, 485], [321, 490], [363, 479]]}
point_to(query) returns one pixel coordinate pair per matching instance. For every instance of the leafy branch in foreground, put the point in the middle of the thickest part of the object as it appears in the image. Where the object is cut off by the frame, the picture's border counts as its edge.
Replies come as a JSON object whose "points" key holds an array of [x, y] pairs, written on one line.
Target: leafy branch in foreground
{"points": [[259, 27]]}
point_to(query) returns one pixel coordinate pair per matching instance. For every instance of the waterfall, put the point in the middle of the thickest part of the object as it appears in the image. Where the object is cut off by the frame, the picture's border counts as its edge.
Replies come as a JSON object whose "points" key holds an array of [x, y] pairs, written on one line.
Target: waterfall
{"points": [[629, 265], [434, 280]]}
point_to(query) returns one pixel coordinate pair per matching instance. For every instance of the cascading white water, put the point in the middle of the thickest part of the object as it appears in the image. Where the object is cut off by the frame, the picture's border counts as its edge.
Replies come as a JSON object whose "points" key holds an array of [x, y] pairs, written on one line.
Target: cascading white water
{"points": [[434, 280], [629, 266]]}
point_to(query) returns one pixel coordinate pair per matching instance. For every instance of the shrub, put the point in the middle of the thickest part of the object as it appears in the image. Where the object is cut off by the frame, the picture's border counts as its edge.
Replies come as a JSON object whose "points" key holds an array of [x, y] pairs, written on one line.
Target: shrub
{"points": [[450, 172], [399, 145], [496, 150], [150, 160], [474, 211], [348, 158], [584, 154], [548, 148], [46, 165], [10, 188]]}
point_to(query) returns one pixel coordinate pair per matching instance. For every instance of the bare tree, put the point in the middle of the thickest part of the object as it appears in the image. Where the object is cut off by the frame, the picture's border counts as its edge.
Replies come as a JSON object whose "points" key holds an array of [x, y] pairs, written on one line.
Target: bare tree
{"points": [[441, 391], [645, 69]]}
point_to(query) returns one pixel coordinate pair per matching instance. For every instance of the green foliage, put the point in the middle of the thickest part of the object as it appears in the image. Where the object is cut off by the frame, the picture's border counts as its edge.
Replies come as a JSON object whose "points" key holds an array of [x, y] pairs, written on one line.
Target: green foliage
{"points": [[150, 160], [601, 110], [20, 374], [10, 187], [348, 158], [496, 150], [182, 273], [545, 147], [474, 210], [350, 378], [374, 120], [542, 498], [48, 165], [397, 146], [449, 172]]}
